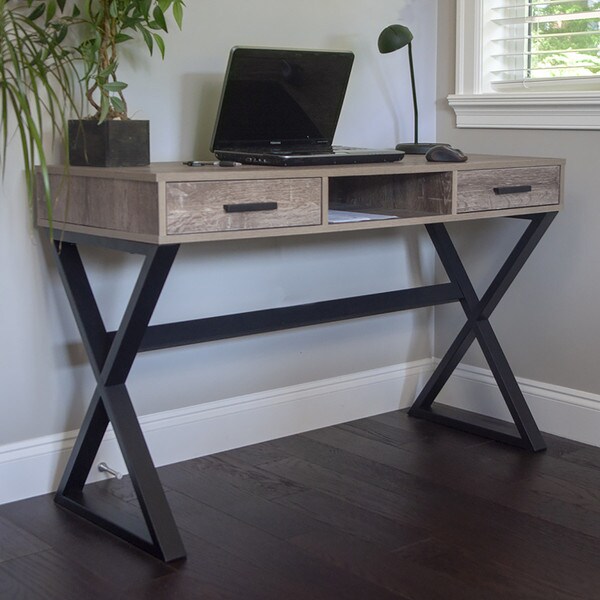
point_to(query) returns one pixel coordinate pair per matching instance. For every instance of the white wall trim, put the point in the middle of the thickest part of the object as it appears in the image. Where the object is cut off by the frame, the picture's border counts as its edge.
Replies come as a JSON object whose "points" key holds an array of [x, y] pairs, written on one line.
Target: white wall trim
{"points": [[556, 110], [33, 467], [469, 16]]}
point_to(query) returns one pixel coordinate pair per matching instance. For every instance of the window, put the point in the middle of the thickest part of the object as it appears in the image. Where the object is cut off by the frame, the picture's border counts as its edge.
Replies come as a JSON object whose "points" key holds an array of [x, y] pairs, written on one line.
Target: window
{"points": [[528, 64], [550, 43]]}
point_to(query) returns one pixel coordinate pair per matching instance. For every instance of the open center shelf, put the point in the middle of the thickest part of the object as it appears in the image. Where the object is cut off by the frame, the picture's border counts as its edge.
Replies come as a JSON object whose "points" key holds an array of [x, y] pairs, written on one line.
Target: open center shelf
{"points": [[401, 196]]}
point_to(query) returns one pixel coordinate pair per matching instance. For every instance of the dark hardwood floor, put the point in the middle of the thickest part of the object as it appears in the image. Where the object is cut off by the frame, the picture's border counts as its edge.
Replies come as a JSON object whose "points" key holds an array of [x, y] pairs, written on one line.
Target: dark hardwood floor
{"points": [[384, 507]]}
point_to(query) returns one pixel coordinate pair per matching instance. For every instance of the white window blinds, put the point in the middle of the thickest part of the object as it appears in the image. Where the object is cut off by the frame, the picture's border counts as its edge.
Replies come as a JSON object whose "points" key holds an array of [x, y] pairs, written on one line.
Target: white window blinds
{"points": [[535, 41]]}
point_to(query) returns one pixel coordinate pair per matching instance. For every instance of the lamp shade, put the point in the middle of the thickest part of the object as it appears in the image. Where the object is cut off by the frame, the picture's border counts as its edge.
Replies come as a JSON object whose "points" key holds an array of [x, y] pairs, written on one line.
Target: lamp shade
{"points": [[394, 37]]}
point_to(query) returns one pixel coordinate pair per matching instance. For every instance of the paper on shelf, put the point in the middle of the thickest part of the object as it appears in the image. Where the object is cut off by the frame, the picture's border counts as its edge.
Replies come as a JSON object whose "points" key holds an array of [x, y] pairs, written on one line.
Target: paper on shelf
{"points": [[346, 216]]}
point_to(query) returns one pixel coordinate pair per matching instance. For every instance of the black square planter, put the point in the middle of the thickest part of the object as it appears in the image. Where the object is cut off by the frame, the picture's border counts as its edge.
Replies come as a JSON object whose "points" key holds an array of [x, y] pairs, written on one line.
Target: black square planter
{"points": [[109, 144]]}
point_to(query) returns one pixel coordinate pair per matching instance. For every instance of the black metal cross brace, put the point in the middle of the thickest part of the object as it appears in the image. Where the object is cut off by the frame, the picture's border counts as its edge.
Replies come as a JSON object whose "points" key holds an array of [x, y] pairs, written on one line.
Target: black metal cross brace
{"points": [[525, 432], [111, 355]]}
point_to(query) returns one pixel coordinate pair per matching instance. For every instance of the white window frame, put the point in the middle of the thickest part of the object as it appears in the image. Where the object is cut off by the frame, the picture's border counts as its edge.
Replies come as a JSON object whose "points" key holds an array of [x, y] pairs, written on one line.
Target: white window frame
{"points": [[561, 108]]}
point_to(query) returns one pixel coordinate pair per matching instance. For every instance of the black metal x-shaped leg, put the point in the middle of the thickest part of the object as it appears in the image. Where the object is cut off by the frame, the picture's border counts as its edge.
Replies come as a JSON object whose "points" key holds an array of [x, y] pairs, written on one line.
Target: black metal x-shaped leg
{"points": [[111, 357], [525, 432]]}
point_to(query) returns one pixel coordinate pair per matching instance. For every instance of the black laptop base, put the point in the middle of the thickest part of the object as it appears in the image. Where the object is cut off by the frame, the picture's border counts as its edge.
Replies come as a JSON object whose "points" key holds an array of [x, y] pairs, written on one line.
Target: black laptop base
{"points": [[302, 160]]}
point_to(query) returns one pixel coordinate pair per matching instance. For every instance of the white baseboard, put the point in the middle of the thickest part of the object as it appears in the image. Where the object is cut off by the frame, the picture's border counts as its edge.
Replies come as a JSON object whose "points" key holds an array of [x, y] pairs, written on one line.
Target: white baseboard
{"points": [[34, 467]]}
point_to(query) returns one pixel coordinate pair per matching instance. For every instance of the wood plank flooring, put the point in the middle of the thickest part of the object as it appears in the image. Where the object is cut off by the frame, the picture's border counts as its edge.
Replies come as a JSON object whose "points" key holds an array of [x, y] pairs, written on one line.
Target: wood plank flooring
{"points": [[384, 507]]}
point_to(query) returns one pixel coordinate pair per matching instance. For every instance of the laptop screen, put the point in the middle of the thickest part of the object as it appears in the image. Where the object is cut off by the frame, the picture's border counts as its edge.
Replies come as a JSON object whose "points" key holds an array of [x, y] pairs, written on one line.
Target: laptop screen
{"points": [[280, 97]]}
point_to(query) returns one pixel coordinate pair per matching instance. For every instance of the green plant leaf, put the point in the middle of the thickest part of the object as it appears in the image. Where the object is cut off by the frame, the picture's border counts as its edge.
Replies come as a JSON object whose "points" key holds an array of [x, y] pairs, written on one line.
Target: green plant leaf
{"points": [[106, 73], [159, 17], [147, 38], [118, 104], [144, 7], [160, 43], [114, 86], [178, 13], [50, 10], [36, 13], [104, 108], [122, 37], [61, 34]]}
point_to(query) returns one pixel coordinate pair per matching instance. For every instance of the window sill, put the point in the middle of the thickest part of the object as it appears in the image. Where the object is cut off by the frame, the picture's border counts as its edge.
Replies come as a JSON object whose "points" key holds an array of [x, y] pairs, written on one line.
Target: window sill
{"points": [[547, 110]]}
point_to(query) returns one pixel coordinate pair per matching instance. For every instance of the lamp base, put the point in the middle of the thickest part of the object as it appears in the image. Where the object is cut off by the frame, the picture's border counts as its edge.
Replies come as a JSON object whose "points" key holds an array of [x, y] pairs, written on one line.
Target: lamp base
{"points": [[417, 148]]}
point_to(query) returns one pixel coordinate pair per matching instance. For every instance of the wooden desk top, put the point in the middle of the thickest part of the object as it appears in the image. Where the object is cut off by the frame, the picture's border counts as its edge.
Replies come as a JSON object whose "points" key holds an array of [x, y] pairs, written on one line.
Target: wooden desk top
{"points": [[172, 203]]}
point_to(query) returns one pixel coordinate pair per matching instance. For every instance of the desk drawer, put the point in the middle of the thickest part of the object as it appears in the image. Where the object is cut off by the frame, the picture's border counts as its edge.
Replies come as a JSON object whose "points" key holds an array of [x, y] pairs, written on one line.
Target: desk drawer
{"points": [[204, 206], [496, 189]]}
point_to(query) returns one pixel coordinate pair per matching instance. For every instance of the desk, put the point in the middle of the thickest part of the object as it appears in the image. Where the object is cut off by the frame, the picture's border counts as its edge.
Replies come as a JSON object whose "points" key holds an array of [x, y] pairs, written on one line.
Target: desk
{"points": [[153, 210]]}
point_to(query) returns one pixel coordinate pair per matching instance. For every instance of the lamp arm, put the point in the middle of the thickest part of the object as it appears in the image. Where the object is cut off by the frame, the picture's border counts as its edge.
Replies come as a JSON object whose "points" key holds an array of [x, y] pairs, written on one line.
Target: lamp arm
{"points": [[414, 92]]}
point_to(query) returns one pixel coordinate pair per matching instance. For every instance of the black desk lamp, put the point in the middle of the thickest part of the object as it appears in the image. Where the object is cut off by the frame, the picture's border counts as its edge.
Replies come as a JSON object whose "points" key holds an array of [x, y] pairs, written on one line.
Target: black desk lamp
{"points": [[393, 38]]}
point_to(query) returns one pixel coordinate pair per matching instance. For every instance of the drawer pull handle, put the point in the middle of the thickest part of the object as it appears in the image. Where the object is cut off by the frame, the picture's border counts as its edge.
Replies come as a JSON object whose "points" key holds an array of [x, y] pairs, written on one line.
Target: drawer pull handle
{"points": [[512, 189], [249, 207]]}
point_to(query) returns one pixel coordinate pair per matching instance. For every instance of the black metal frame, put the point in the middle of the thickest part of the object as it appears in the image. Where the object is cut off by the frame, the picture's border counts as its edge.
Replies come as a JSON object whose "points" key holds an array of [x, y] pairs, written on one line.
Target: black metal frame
{"points": [[525, 432], [111, 355]]}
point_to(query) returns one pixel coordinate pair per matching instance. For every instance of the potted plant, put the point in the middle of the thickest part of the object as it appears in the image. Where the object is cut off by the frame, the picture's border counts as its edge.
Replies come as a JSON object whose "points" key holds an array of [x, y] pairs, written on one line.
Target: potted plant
{"points": [[108, 137], [39, 81], [38, 84]]}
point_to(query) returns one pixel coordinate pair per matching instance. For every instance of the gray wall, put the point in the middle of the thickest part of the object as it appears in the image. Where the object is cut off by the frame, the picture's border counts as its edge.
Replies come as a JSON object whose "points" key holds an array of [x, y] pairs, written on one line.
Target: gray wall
{"points": [[548, 322], [46, 383]]}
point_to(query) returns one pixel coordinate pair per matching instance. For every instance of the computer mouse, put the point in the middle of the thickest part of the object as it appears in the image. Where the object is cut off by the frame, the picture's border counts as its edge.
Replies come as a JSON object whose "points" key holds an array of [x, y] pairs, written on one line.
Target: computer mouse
{"points": [[442, 153]]}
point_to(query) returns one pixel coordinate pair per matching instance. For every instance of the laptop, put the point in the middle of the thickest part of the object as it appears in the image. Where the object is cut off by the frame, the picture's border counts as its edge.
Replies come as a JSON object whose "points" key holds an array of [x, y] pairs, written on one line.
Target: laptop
{"points": [[281, 107]]}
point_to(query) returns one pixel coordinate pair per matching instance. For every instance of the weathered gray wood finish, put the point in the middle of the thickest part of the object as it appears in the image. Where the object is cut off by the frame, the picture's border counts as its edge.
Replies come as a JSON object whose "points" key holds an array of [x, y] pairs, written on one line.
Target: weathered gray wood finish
{"points": [[475, 189], [167, 203], [112, 204], [195, 207], [412, 194]]}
